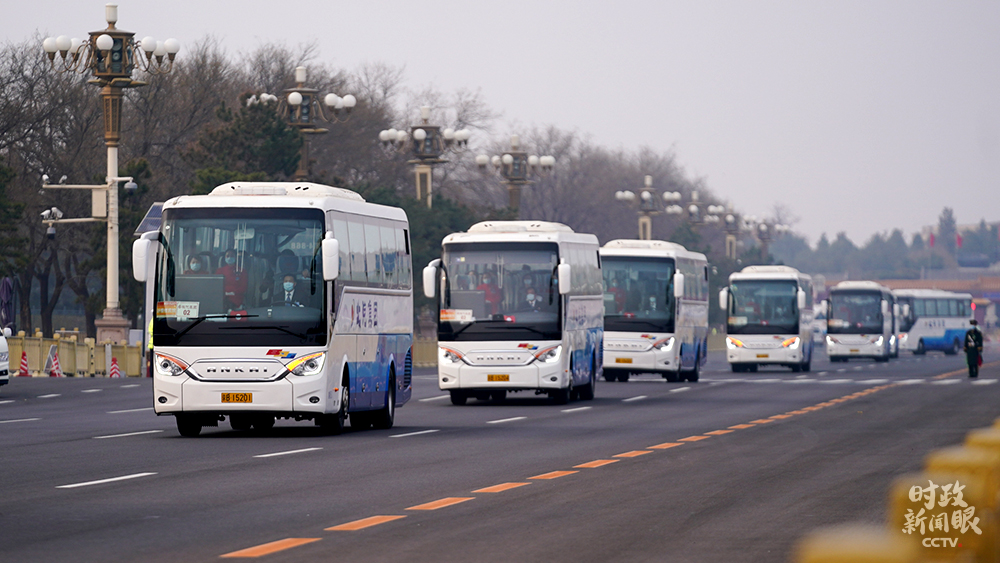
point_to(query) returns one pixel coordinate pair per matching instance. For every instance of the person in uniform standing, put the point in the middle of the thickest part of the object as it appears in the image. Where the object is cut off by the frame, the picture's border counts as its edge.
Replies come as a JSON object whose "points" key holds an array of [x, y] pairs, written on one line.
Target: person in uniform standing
{"points": [[973, 348]]}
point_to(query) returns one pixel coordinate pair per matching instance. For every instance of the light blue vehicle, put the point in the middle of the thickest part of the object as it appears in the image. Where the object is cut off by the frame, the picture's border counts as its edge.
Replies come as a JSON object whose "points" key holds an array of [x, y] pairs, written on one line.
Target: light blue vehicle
{"points": [[933, 320]]}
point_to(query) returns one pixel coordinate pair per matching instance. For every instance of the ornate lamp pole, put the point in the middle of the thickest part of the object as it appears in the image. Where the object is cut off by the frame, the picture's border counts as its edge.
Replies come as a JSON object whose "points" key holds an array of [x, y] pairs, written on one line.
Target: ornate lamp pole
{"points": [[301, 107], [516, 168], [427, 143], [111, 55], [647, 206]]}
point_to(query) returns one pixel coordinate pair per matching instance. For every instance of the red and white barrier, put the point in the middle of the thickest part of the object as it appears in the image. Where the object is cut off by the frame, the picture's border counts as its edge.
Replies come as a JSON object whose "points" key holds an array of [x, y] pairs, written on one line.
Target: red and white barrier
{"points": [[114, 371], [23, 372]]}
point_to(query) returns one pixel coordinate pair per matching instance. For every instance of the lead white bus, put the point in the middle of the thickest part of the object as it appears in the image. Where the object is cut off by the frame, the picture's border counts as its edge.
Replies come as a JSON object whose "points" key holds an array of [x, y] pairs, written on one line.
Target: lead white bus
{"points": [[860, 322], [769, 311], [931, 319], [655, 309], [519, 310], [279, 300]]}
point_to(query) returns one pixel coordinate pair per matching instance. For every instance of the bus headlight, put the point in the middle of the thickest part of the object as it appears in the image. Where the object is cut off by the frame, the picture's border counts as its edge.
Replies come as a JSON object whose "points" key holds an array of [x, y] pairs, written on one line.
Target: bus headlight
{"points": [[792, 343], [878, 341], [308, 365], [733, 343], [165, 365], [665, 344], [449, 356], [831, 340], [549, 355]]}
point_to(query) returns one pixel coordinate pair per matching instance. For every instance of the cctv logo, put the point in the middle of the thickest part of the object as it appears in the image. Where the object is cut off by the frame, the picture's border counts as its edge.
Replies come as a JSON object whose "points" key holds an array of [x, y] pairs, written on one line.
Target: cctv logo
{"points": [[940, 542]]}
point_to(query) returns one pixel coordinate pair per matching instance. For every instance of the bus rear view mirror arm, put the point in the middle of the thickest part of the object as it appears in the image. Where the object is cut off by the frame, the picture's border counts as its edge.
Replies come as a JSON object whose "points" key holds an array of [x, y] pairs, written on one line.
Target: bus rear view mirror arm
{"points": [[430, 278]]}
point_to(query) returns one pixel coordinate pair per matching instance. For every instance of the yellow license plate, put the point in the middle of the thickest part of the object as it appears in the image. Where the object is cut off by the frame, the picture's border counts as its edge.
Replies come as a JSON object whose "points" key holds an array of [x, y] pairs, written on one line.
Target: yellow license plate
{"points": [[503, 377], [762, 355], [237, 397], [623, 360], [855, 350]]}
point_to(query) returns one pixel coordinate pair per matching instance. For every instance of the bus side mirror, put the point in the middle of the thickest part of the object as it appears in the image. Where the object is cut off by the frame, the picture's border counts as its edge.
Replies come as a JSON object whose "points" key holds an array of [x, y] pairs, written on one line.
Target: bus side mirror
{"points": [[331, 257], [7, 332], [565, 273], [724, 298], [800, 299], [678, 285], [430, 278], [825, 306], [895, 309], [140, 249], [885, 307], [906, 309]]}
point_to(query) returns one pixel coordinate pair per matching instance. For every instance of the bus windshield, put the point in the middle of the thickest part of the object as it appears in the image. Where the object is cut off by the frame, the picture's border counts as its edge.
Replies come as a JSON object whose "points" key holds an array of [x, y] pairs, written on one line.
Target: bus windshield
{"points": [[763, 307], [853, 312], [499, 291], [638, 294], [240, 277]]}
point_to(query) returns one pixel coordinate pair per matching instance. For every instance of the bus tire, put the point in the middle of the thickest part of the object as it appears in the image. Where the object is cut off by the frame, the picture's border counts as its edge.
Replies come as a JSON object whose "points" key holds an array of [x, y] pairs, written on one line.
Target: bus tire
{"points": [[361, 420], [807, 367], [384, 418], [921, 350], [333, 424], [562, 396], [458, 398], [610, 376], [671, 376], [623, 376], [692, 375], [188, 425], [263, 423], [240, 422], [586, 392], [954, 348]]}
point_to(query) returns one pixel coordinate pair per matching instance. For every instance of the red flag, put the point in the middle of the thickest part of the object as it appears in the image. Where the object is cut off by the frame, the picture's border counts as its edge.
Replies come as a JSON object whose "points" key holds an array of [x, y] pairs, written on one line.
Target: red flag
{"points": [[931, 240], [958, 240]]}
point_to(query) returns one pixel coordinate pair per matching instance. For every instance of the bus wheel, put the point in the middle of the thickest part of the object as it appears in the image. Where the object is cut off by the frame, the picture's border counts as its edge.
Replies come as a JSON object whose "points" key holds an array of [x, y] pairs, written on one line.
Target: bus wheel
{"points": [[498, 396], [384, 418], [920, 351], [361, 420], [587, 391], [458, 398], [954, 348], [610, 375], [807, 367], [623, 376], [561, 396], [671, 376], [333, 424], [188, 425], [240, 422], [692, 375], [263, 423]]}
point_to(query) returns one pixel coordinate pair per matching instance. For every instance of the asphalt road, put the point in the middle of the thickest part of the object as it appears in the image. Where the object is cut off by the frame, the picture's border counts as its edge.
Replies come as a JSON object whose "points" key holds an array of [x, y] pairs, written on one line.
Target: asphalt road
{"points": [[733, 468]]}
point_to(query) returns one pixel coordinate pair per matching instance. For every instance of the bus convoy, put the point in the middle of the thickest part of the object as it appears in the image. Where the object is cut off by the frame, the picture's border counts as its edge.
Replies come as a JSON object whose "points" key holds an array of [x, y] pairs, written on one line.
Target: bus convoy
{"points": [[272, 300]]}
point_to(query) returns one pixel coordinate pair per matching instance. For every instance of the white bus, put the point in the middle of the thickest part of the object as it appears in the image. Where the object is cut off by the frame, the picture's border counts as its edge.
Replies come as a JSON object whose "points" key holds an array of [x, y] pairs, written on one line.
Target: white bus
{"points": [[519, 310], [279, 300], [860, 322], [655, 309], [933, 320], [769, 312]]}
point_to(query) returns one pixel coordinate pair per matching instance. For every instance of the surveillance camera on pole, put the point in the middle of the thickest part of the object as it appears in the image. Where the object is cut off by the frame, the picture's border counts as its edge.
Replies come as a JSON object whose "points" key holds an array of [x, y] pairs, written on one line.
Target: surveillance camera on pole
{"points": [[50, 233]]}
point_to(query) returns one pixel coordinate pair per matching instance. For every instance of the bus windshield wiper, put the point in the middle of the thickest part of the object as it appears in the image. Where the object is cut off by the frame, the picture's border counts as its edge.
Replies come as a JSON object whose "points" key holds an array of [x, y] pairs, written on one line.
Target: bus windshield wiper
{"points": [[199, 320], [264, 327], [632, 320]]}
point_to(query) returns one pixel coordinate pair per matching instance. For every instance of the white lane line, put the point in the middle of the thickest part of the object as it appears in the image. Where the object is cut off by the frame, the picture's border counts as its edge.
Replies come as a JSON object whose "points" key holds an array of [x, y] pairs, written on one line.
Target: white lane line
{"points": [[806, 380], [856, 368], [630, 399], [909, 381], [823, 373], [841, 370], [131, 410], [984, 381], [836, 381], [437, 398], [19, 420], [502, 420], [129, 434], [49, 396], [5, 402], [767, 380], [413, 433], [944, 382], [679, 389], [290, 452], [873, 381], [130, 385], [577, 409], [91, 391], [102, 481]]}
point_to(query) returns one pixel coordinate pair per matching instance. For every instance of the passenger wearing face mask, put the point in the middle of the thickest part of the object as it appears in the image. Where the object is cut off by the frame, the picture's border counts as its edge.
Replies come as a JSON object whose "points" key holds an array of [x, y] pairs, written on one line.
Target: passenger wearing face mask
{"points": [[291, 294], [235, 281], [194, 266]]}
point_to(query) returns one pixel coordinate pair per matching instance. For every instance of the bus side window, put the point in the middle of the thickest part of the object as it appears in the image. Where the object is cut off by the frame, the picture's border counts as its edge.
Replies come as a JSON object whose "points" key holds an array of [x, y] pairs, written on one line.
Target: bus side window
{"points": [[373, 256], [403, 259], [340, 233], [389, 255], [357, 231]]}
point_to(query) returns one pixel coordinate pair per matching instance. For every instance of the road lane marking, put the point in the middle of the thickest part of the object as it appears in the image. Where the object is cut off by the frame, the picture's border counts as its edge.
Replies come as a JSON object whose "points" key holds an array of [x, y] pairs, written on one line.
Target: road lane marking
{"points": [[909, 381], [742, 426], [500, 488], [836, 381], [944, 382], [823, 373], [633, 453], [129, 434], [984, 381], [49, 396], [806, 380], [19, 420], [553, 475], [91, 391], [289, 452], [630, 399], [414, 433], [782, 416], [363, 523], [718, 432], [595, 463], [665, 445], [131, 410], [502, 420], [693, 438], [437, 398], [679, 389], [130, 385], [5, 402], [841, 370], [272, 547], [102, 481], [443, 503], [761, 421], [873, 381], [577, 409], [765, 380]]}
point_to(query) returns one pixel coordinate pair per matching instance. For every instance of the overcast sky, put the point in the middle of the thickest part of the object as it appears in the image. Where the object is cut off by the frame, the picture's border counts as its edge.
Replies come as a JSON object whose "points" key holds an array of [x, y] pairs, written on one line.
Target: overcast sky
{"points": [[859, 116]]}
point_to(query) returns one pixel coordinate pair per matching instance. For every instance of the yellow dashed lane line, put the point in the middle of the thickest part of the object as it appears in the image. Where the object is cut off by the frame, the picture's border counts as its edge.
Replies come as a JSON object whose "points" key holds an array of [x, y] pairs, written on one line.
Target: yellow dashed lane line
{"points": [[272, 547]]}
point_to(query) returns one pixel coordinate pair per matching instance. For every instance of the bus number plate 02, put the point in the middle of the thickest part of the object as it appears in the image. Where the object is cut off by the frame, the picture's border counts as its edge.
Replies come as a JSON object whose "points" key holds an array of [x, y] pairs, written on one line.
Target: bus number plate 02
{"points": [[623, 360], [503, 377], [237, 397]]}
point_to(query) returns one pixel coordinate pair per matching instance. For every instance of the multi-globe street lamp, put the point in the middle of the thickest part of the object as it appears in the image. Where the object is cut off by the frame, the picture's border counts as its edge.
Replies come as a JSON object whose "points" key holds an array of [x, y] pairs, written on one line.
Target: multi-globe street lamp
{"points": [[111, 55], [428, 143], [302, 108], [516, 167], [648, 207]]}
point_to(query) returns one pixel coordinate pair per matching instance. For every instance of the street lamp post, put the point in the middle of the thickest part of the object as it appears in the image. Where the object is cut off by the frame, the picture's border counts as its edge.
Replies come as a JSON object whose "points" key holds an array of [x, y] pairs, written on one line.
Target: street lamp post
{"points": [[111, 55], [516, 168], [427, 143], [302, 109], [648, 207]]}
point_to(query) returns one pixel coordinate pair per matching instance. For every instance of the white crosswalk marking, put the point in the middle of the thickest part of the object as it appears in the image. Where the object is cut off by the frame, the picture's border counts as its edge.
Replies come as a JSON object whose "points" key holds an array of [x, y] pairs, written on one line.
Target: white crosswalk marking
{"points": [[984, 382], [944, 382]]}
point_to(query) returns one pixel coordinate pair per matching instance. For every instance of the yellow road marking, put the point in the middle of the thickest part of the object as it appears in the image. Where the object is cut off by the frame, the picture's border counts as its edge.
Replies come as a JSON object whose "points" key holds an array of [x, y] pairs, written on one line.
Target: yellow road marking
{"points": [[761, 421], [693, 438], [782, 416], [800, 411], [634, 453], [443, 503], [596, 463], [718, 432], [272, 547], [363, 523], [742, 426], [501, 487], [553, 475], [665, 445]]}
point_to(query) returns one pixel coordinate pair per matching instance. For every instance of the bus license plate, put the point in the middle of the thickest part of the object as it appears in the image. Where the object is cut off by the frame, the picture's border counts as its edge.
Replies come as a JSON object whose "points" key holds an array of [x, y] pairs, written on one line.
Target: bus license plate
{"points": [[503, 377], [237, 397], [762, 355], [855, 350], [623, 360]]}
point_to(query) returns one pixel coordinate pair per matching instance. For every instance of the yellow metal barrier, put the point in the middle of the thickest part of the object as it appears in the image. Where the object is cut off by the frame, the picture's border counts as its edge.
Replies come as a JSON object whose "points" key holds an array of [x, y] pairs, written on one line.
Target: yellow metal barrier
{"points": [[425, 353], [972, 463], [854, 543], [76, 359]]}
